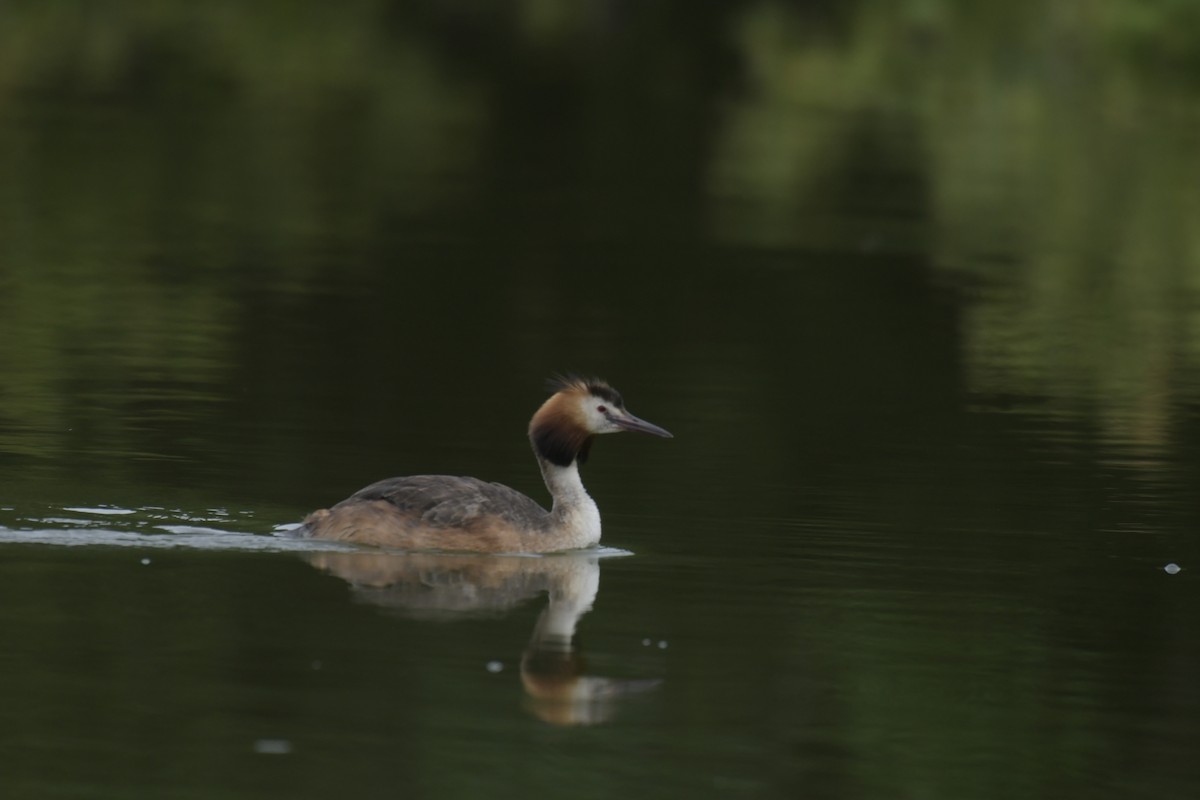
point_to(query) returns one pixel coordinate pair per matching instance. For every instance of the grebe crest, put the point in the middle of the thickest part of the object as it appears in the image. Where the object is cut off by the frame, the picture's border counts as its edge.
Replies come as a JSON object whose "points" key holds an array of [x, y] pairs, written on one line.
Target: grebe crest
{"points": [[581, 408]]}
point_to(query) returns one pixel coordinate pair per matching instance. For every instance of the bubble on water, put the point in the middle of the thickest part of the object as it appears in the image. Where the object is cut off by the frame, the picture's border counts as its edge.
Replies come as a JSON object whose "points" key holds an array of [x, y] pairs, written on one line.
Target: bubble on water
{"points": [[145, 562], [662, 644], [494, 666], [1172, 568], [273, 747], [645, 642]]}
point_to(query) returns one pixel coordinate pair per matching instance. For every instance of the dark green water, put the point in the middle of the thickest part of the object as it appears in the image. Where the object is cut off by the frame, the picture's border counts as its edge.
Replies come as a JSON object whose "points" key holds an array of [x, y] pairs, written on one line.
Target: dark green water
{"points": [[915, 288]]}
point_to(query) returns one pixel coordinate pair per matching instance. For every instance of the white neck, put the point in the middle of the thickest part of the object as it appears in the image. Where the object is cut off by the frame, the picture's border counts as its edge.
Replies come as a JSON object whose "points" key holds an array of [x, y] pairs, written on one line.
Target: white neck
{"points": [[574, 514]]}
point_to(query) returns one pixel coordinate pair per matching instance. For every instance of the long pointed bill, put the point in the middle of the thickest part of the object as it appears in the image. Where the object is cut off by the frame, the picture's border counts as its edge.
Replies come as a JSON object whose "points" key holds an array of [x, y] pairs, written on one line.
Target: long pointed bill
{"points": [[628, 422]]}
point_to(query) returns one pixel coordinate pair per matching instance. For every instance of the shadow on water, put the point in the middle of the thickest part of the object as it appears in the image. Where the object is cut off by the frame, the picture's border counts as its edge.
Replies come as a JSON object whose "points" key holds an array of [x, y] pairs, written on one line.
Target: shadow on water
{"points": [[444, 587]]}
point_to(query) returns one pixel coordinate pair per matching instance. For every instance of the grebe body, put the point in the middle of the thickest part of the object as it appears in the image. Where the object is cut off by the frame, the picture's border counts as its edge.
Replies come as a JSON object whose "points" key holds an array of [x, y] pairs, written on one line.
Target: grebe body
{"points": [[444, 512]]}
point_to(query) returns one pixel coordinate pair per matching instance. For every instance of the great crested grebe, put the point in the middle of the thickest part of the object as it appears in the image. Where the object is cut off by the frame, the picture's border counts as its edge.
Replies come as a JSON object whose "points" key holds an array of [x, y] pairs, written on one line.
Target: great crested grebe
{"points": [[443, 512]]}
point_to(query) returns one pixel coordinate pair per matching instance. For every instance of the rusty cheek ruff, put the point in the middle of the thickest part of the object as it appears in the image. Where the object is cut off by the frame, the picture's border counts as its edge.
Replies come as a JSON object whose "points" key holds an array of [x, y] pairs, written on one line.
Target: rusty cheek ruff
{"points": [[558, 431]]}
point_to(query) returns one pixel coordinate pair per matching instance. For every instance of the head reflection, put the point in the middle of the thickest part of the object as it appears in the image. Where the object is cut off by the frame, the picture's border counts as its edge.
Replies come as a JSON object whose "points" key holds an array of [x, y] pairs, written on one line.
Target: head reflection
{"points": [[445, 587]]}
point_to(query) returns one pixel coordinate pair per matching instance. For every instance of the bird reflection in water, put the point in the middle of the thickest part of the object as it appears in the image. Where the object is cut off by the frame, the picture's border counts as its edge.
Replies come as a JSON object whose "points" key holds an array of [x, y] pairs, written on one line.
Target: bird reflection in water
{"points": [[449, 586]]}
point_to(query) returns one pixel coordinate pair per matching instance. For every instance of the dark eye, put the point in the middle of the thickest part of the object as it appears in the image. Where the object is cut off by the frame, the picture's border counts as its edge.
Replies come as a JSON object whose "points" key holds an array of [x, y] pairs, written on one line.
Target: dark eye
{"points": [[602, 409]]}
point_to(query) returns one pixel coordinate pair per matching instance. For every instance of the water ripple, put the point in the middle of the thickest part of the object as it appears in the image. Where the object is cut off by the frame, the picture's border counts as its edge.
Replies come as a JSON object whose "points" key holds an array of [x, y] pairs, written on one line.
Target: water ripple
{"points": [[154, 527]]}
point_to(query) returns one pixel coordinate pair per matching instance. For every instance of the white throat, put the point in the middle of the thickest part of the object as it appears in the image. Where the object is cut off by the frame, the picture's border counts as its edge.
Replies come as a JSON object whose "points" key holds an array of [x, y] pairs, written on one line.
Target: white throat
{"points": [[574, 511]]}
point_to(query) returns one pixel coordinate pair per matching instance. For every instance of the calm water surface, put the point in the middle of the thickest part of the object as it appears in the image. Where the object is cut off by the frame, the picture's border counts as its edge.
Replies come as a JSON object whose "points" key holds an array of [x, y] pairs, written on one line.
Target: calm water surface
{"points": [[930, 353]]}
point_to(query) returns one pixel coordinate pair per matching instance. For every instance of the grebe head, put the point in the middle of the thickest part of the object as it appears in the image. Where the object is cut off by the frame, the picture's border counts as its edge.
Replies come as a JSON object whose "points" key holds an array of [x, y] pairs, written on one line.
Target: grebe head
{"points": [[581, 408]]}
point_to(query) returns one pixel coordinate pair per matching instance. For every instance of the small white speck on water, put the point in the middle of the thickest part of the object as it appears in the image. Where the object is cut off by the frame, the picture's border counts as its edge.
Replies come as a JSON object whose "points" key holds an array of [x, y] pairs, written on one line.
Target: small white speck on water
{"points": [[646, 642], [273, 747], [662, 644], [145, 562], [1172, 568], [494, 666]]}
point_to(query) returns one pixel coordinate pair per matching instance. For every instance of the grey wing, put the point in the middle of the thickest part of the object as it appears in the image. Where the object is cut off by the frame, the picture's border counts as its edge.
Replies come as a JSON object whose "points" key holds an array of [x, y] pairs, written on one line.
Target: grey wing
{"points": [[447, 501]]}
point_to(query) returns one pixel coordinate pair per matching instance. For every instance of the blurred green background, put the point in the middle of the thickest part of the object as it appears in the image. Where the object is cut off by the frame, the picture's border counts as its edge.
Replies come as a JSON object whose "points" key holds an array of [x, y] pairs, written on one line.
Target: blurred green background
{"points": [[181, 183]]}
